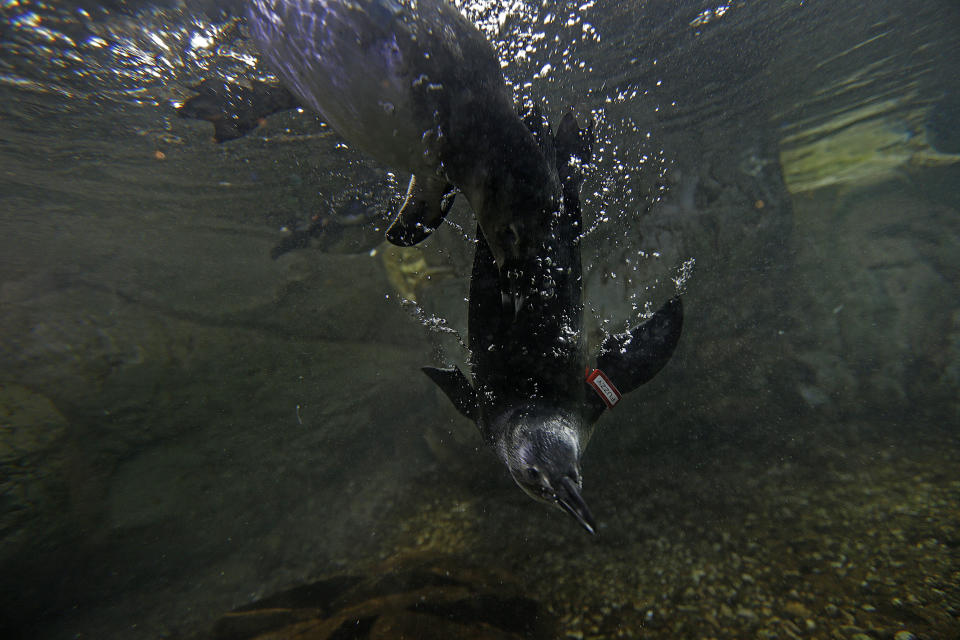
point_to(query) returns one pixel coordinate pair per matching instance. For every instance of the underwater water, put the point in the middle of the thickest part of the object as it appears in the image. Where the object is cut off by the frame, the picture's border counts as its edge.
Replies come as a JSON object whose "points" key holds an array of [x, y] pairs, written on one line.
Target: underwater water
{"points": [[212, 419]]}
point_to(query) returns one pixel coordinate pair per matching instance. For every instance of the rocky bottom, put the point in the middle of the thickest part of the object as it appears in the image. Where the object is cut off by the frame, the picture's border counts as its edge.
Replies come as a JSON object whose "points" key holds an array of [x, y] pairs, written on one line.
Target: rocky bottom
{"points": [[854, 537]]}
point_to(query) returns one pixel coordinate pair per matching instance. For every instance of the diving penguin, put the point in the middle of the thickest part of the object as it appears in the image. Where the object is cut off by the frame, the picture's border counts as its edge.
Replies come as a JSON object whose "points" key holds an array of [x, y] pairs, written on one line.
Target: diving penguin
{"points": [[416, 85], [528, 395]]}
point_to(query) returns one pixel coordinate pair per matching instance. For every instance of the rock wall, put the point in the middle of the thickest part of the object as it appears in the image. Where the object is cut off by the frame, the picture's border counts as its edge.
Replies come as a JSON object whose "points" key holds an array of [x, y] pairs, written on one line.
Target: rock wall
{"points": [[876, 288], [153, 381]]}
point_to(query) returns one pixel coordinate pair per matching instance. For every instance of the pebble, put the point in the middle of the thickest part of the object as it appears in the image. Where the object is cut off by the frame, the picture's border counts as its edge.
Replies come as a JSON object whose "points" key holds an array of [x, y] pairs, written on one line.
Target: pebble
{"points": [[746, 614], [796, 609], [789, 628], [725, 601]]}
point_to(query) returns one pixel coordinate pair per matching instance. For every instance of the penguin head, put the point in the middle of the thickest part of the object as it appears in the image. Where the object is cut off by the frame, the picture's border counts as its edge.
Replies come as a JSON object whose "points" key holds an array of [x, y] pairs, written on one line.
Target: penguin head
{"points": [[543, 455]]}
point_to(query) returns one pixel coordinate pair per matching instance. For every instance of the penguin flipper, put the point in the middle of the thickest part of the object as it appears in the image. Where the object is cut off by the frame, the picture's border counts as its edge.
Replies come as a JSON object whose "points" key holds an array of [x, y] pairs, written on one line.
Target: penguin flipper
{"points": [[457, 387], [426, 204], [634, 357]]}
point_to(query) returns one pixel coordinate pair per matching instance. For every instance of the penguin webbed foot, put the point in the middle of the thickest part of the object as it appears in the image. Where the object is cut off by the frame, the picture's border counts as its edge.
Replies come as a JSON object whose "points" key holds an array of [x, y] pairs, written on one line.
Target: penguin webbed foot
{"points": [[235, 110], [536, 123], [512, 287], [573, 142], [427, 203]]}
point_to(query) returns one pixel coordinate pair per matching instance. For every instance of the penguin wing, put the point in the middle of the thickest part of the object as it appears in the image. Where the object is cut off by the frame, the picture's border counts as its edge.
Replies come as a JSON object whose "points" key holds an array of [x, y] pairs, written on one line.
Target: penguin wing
{"points": [[427, 203], [634, 357], [458, 389]]}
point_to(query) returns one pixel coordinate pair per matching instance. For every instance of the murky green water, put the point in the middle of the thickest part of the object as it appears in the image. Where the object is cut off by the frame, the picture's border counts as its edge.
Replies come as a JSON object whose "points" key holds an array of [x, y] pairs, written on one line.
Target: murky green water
{"points": [[188, 425]]}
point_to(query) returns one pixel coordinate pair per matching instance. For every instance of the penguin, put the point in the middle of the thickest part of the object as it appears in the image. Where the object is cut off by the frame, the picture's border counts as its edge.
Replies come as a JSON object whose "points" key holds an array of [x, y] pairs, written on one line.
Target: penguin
{"points": [[417, 86], [528, 393], [234, 110]]}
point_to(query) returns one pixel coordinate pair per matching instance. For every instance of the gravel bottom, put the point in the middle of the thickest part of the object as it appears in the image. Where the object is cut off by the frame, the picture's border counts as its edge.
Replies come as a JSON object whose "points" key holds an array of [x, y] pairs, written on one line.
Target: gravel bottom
{"points": [[839, 532], [852, 538]]}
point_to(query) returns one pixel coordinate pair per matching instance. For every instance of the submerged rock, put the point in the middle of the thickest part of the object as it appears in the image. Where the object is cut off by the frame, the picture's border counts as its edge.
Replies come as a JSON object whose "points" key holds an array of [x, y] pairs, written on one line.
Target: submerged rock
{"points": [[406, 598], [32, 493], [880, 321]]}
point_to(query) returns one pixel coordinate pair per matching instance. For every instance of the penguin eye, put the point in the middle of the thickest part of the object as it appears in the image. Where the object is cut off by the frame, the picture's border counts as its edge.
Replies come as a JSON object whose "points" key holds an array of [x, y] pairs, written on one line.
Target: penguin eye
{"points": [[533, 473]]}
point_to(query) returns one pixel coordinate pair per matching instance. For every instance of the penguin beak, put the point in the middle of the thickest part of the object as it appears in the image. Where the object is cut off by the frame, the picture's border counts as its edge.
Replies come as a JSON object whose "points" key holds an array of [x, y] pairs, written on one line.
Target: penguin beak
{"points": [[568, 497]]}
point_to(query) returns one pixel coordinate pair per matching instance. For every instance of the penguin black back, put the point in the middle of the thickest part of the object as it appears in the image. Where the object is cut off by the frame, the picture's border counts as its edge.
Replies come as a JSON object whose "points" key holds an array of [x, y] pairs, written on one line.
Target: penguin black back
{"points": [[528, 395]]}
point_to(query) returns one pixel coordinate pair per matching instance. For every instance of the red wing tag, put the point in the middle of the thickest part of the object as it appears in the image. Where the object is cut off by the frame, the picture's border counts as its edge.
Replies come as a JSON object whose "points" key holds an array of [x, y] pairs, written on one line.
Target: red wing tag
{"points": [[604, 388]]}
